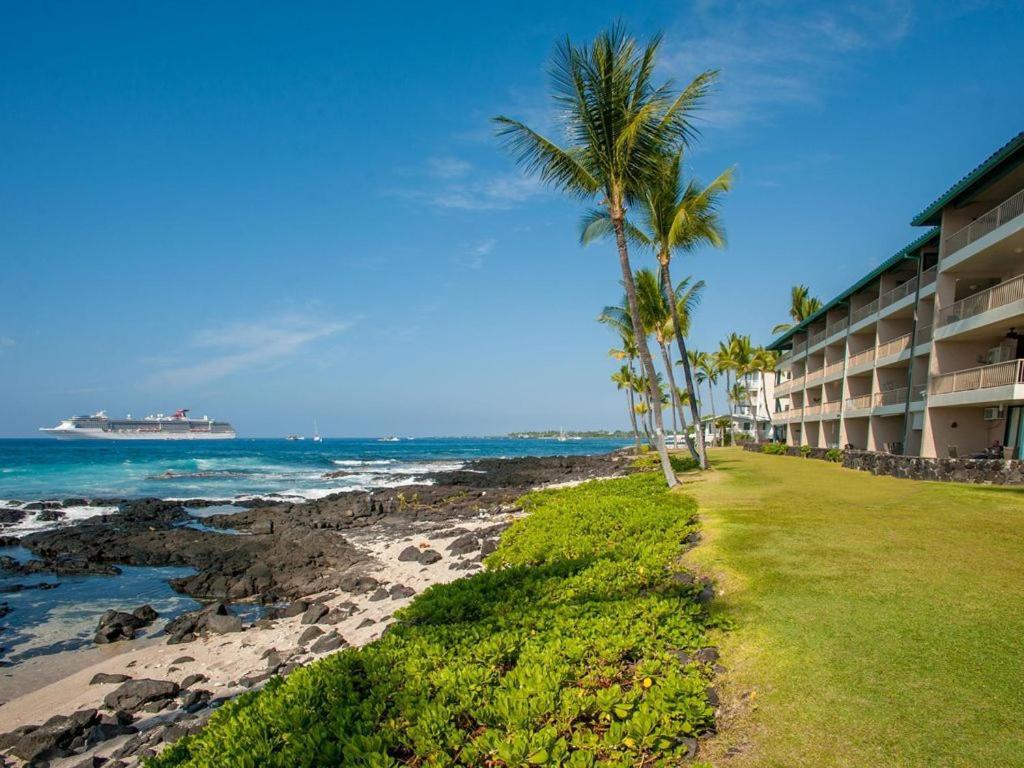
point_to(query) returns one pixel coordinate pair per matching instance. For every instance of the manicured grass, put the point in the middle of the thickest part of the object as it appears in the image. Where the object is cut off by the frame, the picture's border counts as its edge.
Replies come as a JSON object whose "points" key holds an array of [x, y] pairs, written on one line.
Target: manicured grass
{"points": [[878, 622], [573, 649]]}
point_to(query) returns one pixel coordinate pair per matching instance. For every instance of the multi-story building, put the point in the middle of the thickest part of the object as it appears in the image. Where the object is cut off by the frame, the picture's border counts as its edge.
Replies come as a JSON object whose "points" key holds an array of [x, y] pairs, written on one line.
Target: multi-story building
{"points": [[750, 417], [925, 354]]}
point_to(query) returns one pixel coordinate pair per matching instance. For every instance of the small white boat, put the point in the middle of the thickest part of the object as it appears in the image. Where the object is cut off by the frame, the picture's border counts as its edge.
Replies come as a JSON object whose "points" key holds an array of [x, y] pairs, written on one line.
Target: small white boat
{"points": [[389, 439], [316, 433], [295, 437]]}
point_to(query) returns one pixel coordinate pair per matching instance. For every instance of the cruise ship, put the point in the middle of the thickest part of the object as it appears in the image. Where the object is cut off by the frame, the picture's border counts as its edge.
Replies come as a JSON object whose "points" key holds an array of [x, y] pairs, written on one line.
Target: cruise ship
{"points": [[178, 426]]}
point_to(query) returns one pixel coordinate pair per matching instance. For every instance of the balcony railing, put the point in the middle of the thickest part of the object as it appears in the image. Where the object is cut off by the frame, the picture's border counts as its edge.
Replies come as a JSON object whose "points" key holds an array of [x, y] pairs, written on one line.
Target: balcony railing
{"points": [[987, 222], [834, 368], [997, 296], [837, 326], [901, 291], [928, 276], [998, 375], [817, 337], [828, 408], [866, 311], [923, 334], [858, 403], [893, 346], [812, 410], [918, 392], [891, 397], [813, 377], [861, 358], [799, 349]]}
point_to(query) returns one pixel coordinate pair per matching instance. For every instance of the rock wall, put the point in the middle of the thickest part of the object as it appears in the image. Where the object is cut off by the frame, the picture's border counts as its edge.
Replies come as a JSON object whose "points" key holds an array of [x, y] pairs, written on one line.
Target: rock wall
{"points": [[986, 471]]}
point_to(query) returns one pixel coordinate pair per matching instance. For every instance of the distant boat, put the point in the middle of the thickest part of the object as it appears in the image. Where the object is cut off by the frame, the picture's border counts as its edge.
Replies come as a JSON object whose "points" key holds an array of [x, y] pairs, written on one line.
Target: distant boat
{"points": [[316, 433], [179, 426], [389, 439], [561, 436], [295, 437]]}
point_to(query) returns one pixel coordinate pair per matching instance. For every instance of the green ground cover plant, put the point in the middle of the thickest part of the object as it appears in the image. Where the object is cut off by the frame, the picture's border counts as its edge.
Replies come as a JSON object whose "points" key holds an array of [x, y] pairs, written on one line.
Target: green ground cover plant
{"points": [[877, 621], [575, 647]]}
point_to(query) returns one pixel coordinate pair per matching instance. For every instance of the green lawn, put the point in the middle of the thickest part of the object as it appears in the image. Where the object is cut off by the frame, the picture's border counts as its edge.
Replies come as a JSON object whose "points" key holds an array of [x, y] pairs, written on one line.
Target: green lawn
{"points": [[878, 622]]}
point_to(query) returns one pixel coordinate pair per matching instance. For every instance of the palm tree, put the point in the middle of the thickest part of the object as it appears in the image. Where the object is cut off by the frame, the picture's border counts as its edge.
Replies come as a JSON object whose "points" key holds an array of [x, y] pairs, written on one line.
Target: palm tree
{"points": [[625, 380], [801, 306], [707, 371], [675, 218], [655, 315], [620, 127]]}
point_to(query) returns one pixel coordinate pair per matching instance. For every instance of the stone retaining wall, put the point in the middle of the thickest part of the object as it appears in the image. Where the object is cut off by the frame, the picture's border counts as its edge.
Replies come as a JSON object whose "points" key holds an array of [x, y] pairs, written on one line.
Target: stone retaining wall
{"points": [[986, 471]]}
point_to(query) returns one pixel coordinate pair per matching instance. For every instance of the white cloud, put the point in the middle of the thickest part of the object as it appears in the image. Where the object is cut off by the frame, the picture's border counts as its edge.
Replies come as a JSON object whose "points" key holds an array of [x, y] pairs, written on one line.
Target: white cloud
{"points": [[774, 54], [6, 342], [457, 184], [474, 256], [448, 167], [215, 353]]}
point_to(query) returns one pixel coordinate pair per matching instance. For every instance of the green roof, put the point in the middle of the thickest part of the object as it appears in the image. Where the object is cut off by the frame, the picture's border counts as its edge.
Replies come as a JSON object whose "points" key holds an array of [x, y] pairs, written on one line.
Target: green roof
{"points": [[1012, 150], [907, 252]]}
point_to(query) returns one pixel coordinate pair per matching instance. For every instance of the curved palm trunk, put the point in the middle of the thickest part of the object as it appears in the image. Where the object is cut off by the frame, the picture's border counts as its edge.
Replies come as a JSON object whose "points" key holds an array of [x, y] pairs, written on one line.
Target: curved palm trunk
{"points": [[767, 407], [631, 402], [701, 451], [678, 406], [617, 216]]}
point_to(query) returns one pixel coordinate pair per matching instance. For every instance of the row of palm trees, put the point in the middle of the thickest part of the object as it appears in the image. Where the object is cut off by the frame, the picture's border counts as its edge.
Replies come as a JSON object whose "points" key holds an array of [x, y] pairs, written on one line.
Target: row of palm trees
{"points": [[625, 139]]}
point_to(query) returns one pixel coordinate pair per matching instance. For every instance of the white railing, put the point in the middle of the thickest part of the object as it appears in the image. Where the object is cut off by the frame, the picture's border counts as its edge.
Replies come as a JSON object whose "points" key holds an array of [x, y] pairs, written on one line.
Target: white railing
{"points": [[901, 291], [987, 222], [834, 368], [837, 326], [861, 358], [893, 346], [866, 311], [891, 397], [982, 377], [923, 334], [928, 276], [997, 296], [858, 403]]}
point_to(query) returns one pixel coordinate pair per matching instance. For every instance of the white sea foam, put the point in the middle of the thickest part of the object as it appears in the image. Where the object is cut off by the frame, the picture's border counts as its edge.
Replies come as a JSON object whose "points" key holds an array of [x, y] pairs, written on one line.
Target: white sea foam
{"points": [[32, 524]]}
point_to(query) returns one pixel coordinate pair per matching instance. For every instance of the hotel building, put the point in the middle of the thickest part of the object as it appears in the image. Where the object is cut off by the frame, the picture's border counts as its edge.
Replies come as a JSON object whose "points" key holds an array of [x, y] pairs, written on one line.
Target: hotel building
{"points": [[923, 356]]}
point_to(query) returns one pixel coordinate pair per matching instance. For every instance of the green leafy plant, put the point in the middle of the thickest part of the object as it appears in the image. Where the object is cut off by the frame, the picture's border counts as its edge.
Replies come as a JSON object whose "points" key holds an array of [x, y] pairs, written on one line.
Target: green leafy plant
{"points": [[775, 449], [805, 450], [834, 455], [572, 648]]}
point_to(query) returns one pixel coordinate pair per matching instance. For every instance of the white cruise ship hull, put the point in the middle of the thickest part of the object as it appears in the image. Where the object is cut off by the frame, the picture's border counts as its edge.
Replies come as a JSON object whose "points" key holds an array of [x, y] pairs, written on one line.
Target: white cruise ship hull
{"points": [[102, 434]]}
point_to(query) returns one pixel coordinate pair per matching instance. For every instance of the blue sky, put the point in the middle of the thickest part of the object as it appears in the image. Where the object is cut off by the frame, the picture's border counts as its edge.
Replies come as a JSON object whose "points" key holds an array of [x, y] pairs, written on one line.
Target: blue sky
{"points": [[271, 213]]}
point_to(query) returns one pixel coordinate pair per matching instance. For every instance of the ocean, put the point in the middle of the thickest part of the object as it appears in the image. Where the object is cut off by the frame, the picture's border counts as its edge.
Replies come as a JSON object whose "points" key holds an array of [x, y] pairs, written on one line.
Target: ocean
{"points": [[41, 621]]}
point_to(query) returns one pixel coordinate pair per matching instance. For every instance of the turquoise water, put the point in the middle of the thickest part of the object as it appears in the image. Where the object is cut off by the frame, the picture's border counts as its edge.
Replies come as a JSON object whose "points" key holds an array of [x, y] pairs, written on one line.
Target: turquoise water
{"points": [[64, 618], [54, 469]]}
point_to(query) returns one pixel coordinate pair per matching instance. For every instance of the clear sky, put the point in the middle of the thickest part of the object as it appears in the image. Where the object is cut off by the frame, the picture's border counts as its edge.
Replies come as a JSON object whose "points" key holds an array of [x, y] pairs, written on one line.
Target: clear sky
{"points": [[278, 212]]}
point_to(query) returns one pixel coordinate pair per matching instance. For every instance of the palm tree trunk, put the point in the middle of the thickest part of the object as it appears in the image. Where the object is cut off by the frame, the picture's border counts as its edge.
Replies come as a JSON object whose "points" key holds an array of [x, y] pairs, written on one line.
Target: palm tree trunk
{"points": [[618, 222], [767, 407], [631, 402], [678, 406], [670, 294]]}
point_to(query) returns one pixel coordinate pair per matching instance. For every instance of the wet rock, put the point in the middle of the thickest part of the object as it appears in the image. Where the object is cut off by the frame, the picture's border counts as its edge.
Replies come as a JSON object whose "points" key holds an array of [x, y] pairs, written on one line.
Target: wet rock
{"points": [[134, 694], [117, 625], [104, 678], [297, 608]]}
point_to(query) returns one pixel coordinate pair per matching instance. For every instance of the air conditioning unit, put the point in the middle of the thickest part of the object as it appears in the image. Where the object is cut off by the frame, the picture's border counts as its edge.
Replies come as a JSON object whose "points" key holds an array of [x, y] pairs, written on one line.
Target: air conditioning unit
{"points": [[993, 413]]}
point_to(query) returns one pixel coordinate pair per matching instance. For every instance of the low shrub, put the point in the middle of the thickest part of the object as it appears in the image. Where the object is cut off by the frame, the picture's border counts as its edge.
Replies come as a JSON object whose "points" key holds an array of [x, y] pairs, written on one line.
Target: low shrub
{"points": [[572, 649], [805, 450], [834, 455], [775, 449]]}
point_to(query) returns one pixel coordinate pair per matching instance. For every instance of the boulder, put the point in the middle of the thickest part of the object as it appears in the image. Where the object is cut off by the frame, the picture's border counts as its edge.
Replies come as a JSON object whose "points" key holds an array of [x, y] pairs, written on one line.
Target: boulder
{"points": [[314, 613], [191, 680], [463, 545], [399, 591], [135, 694], [409, 555], [331, 642], [310, 634], [428, 556], [103, 678], [222, 625]]}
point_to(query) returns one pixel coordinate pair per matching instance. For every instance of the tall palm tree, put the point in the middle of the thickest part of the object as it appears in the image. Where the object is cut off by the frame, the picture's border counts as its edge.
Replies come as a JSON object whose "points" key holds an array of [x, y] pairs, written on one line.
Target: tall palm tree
{"points": [[707, 371], [673, 218], [620, 127], [801, 306], [656, 318]]}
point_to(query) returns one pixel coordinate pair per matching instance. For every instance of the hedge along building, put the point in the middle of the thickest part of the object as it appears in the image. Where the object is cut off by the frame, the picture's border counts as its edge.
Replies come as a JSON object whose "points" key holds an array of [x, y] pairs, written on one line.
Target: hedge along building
{"points": [[925, 354]]}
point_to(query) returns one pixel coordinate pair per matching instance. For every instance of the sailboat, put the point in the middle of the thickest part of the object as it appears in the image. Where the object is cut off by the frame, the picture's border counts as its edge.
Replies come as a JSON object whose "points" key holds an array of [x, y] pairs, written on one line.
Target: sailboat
{"points": [[316, 434]]}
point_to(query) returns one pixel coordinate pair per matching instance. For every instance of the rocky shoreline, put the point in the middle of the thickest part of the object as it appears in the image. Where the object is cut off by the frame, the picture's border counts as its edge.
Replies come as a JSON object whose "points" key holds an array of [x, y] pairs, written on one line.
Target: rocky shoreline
{"points": [[328, 574]]}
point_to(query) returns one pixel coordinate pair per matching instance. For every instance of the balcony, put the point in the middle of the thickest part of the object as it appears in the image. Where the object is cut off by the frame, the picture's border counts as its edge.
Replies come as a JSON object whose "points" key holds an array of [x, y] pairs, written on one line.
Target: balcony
{"points": [[833, 370], [901, 291], [986, 223], [817, 337], [922, 335], [812, 413], [1006, 292], [893, 347], [928, 277], [837, 327], [831, 409], [813, 377], [861, 358], [799, 349], [986, 384], [864, 312], [859, 403]]}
